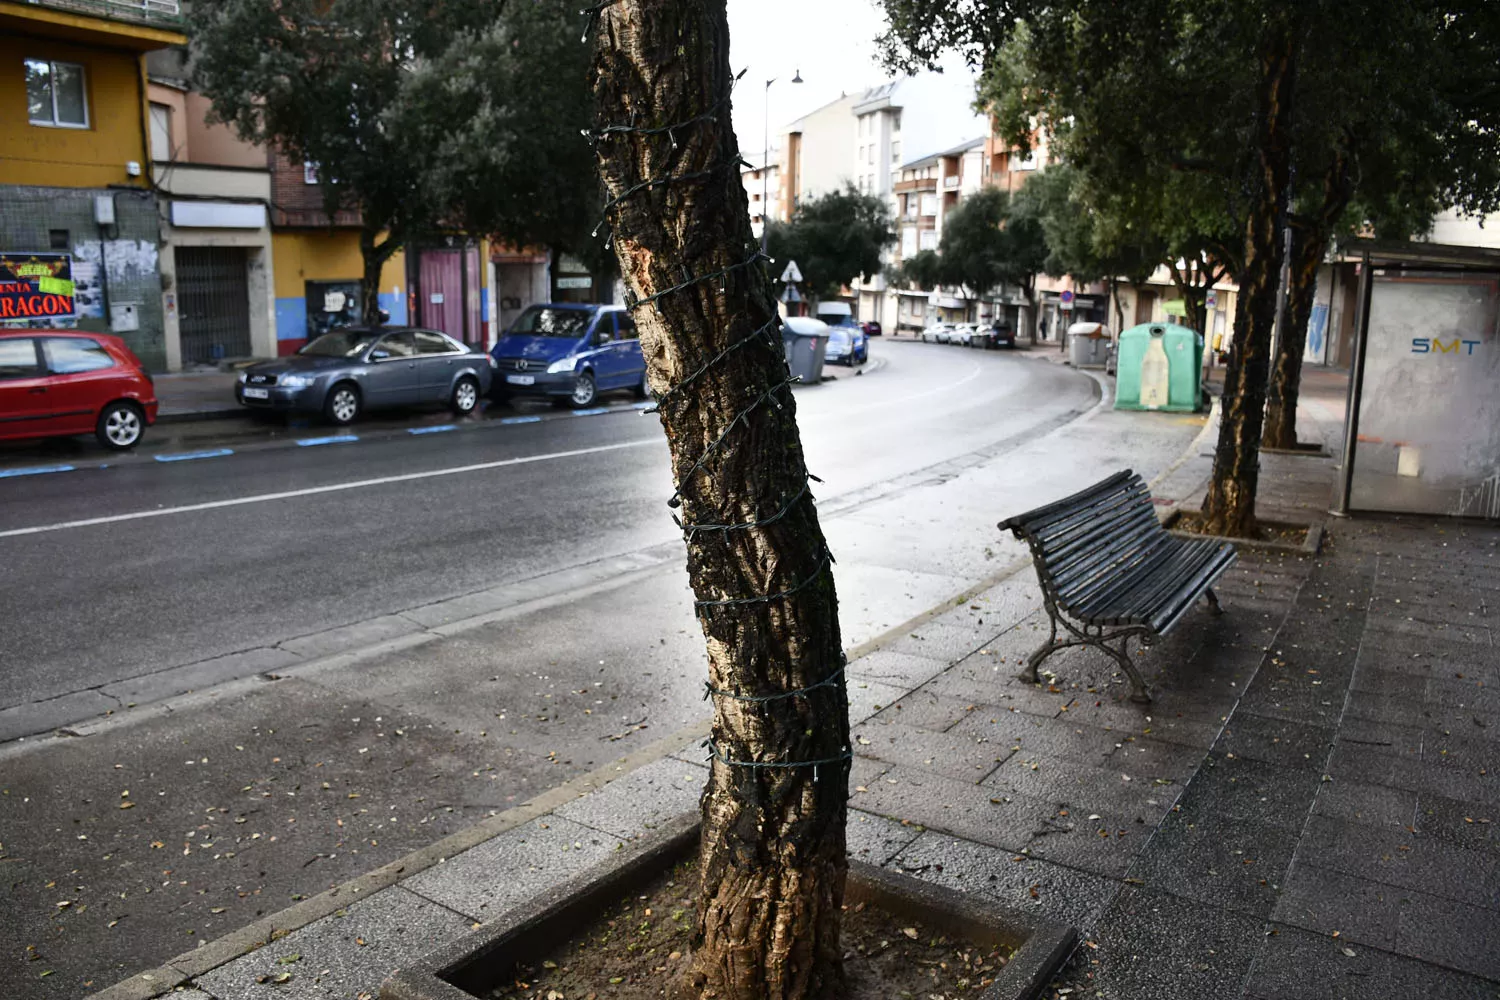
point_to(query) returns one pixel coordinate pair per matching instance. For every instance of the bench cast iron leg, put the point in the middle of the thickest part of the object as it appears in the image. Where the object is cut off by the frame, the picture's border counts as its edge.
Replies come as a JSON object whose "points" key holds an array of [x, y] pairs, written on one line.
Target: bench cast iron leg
{"points": [[1034, 661], [1213, 601], [1140, 693]]}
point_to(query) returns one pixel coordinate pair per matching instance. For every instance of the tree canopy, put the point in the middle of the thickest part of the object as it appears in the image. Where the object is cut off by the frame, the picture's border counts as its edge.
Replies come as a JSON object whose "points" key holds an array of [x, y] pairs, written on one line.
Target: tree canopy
{"points": [[1220, 123], [834, 239], [450, 114]]}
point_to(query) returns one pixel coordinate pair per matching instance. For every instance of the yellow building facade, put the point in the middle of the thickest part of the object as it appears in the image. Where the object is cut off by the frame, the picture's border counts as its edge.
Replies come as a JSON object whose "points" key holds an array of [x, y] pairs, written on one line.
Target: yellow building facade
{"points": [[75, 156]]}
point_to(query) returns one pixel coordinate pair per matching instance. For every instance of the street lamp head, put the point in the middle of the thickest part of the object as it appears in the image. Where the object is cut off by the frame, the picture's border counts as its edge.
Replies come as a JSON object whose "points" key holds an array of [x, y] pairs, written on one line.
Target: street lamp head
{"points": [[797, 76]]}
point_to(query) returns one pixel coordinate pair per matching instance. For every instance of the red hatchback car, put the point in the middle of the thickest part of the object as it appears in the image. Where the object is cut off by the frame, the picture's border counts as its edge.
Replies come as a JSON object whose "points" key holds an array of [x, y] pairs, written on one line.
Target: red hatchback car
{"points": [[55, 383]]}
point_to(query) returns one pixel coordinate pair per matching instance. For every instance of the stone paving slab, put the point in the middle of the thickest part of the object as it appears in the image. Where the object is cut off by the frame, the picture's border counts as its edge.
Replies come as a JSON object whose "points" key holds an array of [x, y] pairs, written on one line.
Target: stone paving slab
{"points": [[1154, 944], [487, 880], [1217, 860], [641, 801], [1297, 965], [953, 755], [876, 839], [902, 669], [1017, 881], [342, 955]]}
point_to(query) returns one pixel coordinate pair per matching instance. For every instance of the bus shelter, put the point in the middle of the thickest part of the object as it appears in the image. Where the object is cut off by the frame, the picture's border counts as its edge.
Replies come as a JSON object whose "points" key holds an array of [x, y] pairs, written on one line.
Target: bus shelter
{"points": [[1422, 428]]}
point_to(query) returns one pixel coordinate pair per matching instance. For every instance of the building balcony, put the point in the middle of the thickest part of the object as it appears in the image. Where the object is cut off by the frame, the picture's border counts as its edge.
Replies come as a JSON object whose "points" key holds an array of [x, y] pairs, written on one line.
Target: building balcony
{"points": [[164, 12], [920, 184], [141, 25], [952, 181]]}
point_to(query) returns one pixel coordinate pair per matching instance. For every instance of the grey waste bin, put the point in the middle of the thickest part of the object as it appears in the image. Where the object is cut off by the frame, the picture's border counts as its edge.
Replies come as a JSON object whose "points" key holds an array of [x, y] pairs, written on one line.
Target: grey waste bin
{"points": [[806, 341], [1088, 344]]}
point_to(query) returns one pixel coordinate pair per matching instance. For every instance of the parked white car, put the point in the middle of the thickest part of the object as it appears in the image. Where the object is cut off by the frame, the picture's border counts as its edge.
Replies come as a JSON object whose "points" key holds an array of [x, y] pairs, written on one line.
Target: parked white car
{"points": [[937, 333]]}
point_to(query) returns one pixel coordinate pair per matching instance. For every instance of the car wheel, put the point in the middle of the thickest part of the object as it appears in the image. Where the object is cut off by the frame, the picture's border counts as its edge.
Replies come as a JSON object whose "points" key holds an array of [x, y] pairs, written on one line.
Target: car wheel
{"points": [[120, 426], [643, 391], [465, 396], [584, 391], [343, 404]]}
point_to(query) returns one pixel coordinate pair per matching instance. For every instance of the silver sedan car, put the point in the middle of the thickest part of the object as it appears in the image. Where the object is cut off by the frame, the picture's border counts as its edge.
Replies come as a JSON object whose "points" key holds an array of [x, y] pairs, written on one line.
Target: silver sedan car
{"points": [[345, 372]]}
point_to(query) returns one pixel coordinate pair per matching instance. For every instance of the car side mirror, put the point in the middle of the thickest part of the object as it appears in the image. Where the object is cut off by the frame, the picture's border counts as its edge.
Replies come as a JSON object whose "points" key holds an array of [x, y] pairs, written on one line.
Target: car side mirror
{"points": [[379, 354], [603, 337]]}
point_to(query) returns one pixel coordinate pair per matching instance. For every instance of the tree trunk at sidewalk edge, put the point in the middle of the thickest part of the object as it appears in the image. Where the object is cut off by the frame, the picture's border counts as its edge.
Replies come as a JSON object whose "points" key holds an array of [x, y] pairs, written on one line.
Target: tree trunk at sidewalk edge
{"points": [[1286, 372], [1229, 508], [772, 856], [374, 257]]}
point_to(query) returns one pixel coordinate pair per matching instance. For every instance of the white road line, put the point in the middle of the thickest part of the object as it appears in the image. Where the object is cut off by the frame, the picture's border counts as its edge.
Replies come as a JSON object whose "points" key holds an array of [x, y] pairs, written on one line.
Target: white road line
{"points": [[315, 490]]}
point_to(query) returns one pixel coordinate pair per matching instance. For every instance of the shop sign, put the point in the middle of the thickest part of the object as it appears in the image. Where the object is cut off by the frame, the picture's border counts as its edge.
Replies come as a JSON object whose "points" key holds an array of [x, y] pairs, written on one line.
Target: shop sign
{"points": [[36, 286]]}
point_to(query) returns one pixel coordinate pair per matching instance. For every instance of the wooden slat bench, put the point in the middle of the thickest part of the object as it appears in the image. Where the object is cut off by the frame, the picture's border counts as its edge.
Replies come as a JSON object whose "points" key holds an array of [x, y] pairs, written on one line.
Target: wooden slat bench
{"points": [[1110, 572]]}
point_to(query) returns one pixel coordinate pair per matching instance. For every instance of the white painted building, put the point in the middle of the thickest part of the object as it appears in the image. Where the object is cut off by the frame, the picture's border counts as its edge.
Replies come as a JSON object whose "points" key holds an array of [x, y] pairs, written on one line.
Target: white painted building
{"points": [[763, 192]]}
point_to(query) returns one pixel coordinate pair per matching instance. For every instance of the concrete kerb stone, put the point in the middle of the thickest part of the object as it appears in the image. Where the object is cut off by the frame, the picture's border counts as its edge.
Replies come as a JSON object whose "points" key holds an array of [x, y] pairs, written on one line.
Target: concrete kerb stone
{"points": [[155, 983]]}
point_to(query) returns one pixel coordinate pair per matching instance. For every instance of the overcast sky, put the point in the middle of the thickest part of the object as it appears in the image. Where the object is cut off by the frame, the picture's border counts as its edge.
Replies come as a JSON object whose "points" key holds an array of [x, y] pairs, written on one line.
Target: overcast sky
{"points": [[831, 41]]}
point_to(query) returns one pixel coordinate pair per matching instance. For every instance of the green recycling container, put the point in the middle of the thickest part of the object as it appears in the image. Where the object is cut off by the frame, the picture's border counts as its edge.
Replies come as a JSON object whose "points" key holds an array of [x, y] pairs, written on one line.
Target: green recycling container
{"points": [[1159, 367]]}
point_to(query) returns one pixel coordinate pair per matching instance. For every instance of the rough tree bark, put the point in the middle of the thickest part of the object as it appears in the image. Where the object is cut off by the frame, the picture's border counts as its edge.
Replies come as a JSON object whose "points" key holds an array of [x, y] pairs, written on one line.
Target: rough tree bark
{"points": [[1230, 506], [374, 255], [1309, 240], [772, 853]]}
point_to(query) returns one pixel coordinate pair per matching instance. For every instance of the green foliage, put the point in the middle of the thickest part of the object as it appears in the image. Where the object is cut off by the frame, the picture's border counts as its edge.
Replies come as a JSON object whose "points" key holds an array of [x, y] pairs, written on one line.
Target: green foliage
{"points": [[1153, 102], [989, 239], [834, 239], [422, 117], [924, 270]]}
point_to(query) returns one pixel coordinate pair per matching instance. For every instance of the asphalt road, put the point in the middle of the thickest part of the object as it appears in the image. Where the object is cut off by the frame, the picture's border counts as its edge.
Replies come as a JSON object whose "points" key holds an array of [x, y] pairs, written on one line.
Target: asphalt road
{"points": [[311, 538], [374, 662]]}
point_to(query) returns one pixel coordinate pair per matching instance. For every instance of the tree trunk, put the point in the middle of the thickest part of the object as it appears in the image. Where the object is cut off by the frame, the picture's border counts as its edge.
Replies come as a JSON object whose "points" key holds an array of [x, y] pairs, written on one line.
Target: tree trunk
{"points": [[1286, 372], [1309, 241], [772, 855], [374, 256], [1230, 506]]}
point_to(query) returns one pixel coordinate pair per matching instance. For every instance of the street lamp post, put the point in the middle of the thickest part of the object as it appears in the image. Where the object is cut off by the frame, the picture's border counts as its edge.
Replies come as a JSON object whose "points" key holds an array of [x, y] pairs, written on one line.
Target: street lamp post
{"points": [[765, 165]]}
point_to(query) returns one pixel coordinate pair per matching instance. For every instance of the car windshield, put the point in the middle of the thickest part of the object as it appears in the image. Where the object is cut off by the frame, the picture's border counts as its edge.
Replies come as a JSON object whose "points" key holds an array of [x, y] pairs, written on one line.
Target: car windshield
{"points": [[543, 321], [341, 344]]}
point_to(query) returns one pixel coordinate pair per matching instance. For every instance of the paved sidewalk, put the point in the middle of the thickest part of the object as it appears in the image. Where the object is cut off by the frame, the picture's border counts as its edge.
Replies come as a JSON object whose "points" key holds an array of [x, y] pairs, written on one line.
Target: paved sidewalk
{"points": [[186, 396], [1305, 811]]}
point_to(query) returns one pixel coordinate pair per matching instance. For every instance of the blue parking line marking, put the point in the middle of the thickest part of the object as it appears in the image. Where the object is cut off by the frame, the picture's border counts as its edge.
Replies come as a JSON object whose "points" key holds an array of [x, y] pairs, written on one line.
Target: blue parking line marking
{"points": [[192, 456], [591, 413], [432, 430], [521, 420], [36, 470], [335, 439]]}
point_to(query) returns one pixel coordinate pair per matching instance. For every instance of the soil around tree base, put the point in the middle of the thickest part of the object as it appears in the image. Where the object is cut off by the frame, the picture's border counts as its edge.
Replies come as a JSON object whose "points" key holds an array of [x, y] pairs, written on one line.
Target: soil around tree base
{"points": [[638, 949]]}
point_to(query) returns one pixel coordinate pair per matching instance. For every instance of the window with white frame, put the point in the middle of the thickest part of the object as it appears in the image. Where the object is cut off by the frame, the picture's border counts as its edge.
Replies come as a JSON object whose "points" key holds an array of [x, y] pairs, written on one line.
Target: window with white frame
{"points": [[310, 173], [872, 154], [861, 157], [1026, 162], [929, 203], [56, 94], [161, 133], [908, 242], [895, 121], [929, 239], [895, 152], [870, 182]]}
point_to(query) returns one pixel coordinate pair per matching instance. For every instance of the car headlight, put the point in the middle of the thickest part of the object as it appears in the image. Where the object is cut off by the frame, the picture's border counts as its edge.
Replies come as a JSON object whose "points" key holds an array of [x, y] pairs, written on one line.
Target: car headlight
{"points": [[563, 365], [295, 381], [243, 377]]}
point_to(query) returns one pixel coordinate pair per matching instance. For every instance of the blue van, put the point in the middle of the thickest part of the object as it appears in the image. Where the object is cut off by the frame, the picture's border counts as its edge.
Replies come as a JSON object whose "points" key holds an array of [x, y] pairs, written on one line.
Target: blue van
{"points": [[569, 353]]}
